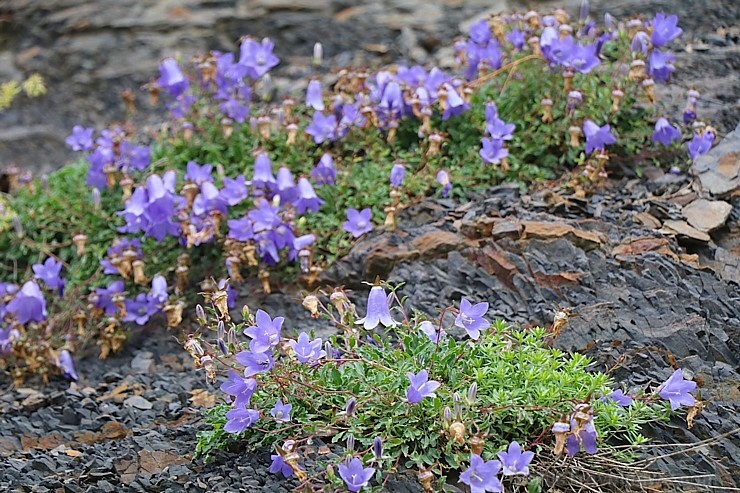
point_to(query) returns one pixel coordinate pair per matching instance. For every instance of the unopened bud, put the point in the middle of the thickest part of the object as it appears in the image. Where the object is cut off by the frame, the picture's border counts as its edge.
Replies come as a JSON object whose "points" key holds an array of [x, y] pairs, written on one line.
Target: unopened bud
{"points": [[350, 444], [200, 314], [95, 198], [18, 228], [472, 393], [447, 417], [349, 408], [221, 329], [377, 448], [318, 54]]}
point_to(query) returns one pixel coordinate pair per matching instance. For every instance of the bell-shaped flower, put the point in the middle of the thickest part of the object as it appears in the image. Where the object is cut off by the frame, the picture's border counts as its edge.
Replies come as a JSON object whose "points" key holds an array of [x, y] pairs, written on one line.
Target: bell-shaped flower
{"points": [[665, 133], [307, 199], [198, 174], [28, 304], [493, 150], [81, 138], [700, 144], [263, 171], [482, 476], [66, 364], [324, 172], [286, 185], [676, 390], [240, 388], [241, 229], [281, 412], [238, 420], [420, 387], [665, 29], [358, 222], [265, 217], [314, 97], [514, 461], [266, 334], [171, 78], [355, 476], [471, 318], [398, 172], [255, 363], [443, 178], [597, 137], [307, 350], [322, 127], [257, 58], [234, 190], [377, 310], [49, 272]]}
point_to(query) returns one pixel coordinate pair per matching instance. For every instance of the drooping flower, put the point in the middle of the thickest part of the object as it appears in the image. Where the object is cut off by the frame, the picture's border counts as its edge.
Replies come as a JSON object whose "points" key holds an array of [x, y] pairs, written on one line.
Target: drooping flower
{"points": [[620, 398], [640, 43], [514, 461], [305, 349], [279, 465], [159, 289], [28, 304], [324, 172], [700, 144], [266, 334], [481, 476], [676, 390], [420, 387], [358, 222], [234, 190], [665, 133], [257, 58], [313, 96], [281, 412], [171, 78], [516, 38], [239, 420], [471, 318], [49, 272], [265, 217], [81, 138], [307, 198], [597, 137], [104, 297], [354, 475], [660, 66], [377, 310], [255, 362], [66, 364], [240, 388], [433, 333], [493, 150], [665, 29], [263, 171], [398, 172], [585, 438], [495, 126]]}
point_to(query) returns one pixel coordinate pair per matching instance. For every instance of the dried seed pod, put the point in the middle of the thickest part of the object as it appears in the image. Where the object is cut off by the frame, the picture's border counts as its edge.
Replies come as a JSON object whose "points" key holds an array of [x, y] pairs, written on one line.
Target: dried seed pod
{"points": [[457, 432], [80, 239], [617, 96], [111, 175], [477, 442], [173, 311], [575, 134], [190, 191], [311, 303], [139, 275], [425, 478], [546, 110], [227, 127], [264, 276], [221, 302], [181, 279]]}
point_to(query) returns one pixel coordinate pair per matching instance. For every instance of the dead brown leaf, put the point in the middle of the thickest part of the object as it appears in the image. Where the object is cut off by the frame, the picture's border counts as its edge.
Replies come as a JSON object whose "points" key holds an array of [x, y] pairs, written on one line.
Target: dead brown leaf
{"points": [[155, 461], [555, 280], [112, 430], [117, 394], [694, 412], [585, 239], [202, 398]]}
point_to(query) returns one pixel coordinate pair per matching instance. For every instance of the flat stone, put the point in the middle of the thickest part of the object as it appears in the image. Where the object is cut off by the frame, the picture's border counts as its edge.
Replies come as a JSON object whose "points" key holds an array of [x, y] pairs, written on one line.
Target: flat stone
{"points": [[719, 169], [707, 215], [682, 228], [143, 362], [138, 402]]}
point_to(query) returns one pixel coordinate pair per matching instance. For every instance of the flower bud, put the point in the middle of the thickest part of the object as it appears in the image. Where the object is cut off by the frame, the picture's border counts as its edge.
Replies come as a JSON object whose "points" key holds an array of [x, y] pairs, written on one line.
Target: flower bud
{"points": [[349, 408], [350, 444], [377, 448], [318, 54], [200, 314], [446, 417], [221, 329], [222, 347], [18, 228], [472, 393], [95, 198]]}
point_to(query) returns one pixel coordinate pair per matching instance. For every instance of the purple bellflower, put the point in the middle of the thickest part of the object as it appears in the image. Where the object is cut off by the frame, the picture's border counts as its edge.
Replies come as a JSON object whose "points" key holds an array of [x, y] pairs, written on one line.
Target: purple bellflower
{"points": [[104, 297], [516, 38], [263, 171], [81, 138], [358, 222], [443, 178], [665, 133], [265, 217], [620, 398], [493, 150], [700, 144], [198, 174], [323, 127], [313, 96], [433, 333], [257, 58], [665, 29], [241, 229], [398, 173], [49, 273], [496, 127], [377, 310], [281, 412], [514, 461], [324, 172], [306, 350], [266, 334], [240, 388], [355, 476], [420, 387], [159, 289], [140, 309], [660, 66], [286, 185], [597, 137], [234, 190], [67, 365], [255, 362], [307, 198], [586, 439], [471, 318], [481, 476], [279, 465], [640, 43], [239, 420], [171, 78], [676, 390], [28, 305]]}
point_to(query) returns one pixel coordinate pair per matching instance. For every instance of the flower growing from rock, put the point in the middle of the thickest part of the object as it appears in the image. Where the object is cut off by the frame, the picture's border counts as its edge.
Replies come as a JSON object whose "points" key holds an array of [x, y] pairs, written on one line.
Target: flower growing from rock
{"points": [[354, 475], [665, 133], [700, 144], [481, 476], [66, 364], [420, 387], [305, 349], [239, 420], [665, 29], [514, 461], [358, 222], [676, 390], [377, 310], [471, 318]]}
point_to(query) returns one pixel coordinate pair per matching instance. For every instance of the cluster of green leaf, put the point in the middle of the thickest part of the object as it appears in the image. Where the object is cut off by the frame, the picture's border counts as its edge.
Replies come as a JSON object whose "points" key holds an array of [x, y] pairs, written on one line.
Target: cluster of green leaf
{"points": [[523, 387]]}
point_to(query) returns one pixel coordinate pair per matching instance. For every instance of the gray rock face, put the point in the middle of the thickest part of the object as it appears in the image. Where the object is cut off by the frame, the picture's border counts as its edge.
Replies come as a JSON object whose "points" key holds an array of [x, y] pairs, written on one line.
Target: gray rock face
{"points": [[719, 169]]}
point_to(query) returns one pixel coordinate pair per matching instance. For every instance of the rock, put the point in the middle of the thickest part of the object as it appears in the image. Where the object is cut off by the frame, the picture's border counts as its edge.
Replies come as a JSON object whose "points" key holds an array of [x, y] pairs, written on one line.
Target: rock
{"points": [[409, 44], [138, 402], [707, 215], [719, 169], [143, 362], [682, 228]]}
